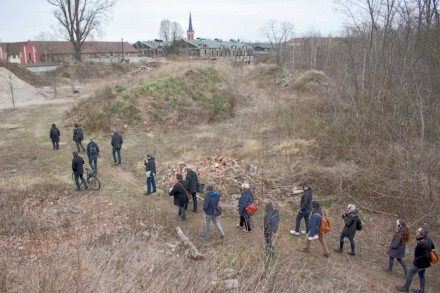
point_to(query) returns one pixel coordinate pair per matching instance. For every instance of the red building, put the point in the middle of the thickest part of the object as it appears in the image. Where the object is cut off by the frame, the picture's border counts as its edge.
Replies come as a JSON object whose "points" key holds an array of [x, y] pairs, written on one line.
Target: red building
{"points": [[22, 53]]}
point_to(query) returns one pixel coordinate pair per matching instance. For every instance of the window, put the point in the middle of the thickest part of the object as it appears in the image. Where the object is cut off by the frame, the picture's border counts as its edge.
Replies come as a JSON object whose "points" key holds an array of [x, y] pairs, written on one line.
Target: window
{"points": [[30, 56]]}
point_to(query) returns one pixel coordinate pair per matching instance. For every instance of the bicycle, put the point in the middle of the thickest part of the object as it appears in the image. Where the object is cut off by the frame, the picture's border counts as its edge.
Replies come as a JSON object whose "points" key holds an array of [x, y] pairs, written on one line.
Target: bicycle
{"points": [[91, 179]]}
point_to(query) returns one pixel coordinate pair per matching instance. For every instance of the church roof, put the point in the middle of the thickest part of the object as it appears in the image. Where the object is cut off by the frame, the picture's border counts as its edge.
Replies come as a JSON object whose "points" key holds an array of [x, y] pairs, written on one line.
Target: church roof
{"points": [[190, 26]]}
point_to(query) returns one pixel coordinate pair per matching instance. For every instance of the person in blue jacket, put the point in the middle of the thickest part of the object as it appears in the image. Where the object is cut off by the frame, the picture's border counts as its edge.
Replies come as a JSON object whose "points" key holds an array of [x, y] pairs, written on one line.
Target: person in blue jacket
{"points": [[271, 221], [92, 150], [209, 205], [246, 199]]}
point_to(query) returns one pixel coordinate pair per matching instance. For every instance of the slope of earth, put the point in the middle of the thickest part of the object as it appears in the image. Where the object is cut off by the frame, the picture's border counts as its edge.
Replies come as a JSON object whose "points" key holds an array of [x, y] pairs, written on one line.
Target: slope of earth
{"points": [[54, 239]]}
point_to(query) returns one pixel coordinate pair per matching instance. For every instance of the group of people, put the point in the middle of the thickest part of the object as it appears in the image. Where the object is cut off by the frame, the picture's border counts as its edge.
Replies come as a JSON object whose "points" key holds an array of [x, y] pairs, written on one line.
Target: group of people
{"points": [[185, 190], [92, 151]]}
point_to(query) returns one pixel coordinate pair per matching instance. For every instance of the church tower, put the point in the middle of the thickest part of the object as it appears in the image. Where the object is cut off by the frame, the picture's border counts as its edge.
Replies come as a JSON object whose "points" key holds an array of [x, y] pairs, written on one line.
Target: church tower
{"points": [[190, 31]]}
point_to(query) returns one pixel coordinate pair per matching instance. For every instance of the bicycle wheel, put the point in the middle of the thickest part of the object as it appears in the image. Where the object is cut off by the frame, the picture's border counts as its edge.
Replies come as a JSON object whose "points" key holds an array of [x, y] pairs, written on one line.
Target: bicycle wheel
{"points": [[93, 183]]}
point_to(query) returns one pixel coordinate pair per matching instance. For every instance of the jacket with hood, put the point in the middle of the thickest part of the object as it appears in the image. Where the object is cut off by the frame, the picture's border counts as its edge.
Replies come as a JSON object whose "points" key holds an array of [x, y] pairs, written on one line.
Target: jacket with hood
{"points": [[191, 181], [271, 220], [350, 221], [211, 202], [54, 133], [306, 200], [246, 199], [77, 165], [421, 253]]}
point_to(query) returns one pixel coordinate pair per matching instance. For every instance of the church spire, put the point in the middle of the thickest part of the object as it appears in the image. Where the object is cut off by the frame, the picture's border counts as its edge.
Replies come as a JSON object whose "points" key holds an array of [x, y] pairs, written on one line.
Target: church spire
{"points": [[190, 31]]}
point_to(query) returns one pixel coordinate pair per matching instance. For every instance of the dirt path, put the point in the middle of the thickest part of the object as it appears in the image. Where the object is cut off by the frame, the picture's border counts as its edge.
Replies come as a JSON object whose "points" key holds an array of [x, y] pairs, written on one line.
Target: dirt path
{"points": [[122, 189]]}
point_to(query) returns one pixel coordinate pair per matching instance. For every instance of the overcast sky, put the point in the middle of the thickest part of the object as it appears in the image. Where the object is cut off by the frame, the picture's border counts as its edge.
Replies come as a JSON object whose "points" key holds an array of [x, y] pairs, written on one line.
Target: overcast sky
{"points": [[133, 20]]}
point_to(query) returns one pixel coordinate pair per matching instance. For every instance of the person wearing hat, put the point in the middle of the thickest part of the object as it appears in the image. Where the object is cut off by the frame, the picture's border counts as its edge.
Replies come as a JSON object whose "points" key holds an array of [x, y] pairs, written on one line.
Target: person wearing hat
{"points": [[398, 246], [150, 171], [92, 150], [191, 185], [304, 209], [116, 143], [211, 202], [421, 261], [78, 137], [54, 136]]}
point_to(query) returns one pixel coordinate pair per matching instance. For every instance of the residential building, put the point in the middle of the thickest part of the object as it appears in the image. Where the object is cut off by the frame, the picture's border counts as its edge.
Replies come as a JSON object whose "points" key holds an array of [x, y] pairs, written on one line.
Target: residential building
{"points": [[21, 52], [150, 48]]}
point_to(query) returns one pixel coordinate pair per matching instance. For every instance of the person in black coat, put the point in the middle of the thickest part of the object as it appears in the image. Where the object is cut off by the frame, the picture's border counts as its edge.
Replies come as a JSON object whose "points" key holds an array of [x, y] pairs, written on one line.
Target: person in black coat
{"points": [[398, 246], [78, 137], [180, 196], [150, 171], [350, 217], [78, 170], [305, 208], [54, 135], [420, 263], [191, 185], [271, 221], [92, 150], [116, 143]]}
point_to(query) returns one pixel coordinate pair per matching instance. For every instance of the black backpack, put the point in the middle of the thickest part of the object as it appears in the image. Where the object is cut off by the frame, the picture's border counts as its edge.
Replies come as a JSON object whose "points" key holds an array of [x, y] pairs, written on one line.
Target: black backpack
{"points": [[79, 134], [359, 225], [93, 149]]}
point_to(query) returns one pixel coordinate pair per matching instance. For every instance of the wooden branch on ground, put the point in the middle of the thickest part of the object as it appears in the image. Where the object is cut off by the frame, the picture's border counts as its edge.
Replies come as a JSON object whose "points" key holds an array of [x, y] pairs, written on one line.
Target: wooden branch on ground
{"points": [[428, 214], [195, 254]]}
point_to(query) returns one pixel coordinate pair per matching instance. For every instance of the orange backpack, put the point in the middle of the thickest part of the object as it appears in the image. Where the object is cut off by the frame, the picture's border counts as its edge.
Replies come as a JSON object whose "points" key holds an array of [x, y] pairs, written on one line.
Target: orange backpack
{"points": [[325, 224]]}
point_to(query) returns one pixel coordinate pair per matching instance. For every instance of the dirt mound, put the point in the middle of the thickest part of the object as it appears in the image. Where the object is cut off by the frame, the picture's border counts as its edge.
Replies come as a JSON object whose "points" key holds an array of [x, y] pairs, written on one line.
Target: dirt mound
{"points": [[24, 93], [312, 81], [264, 74], [86, 71], [26, 75]]}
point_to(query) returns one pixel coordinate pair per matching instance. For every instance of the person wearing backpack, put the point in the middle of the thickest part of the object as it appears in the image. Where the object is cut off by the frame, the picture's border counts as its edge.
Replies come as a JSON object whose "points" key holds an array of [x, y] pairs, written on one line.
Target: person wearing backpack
{"points": [[305, 208], [315, 224], [211, 209], [245, 200], [351, 218], [78, 137], [92, 150], [191, 185], [54, 136], [150, 171], [78, 170], [421, 262], [180, 196], [116, 143], [271, 222], [398, 246]]}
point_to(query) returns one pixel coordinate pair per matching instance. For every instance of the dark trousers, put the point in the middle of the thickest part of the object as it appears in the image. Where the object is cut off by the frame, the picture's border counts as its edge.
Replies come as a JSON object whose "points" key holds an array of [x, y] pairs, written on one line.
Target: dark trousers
{"points": [[306, 216], [151, 183], [79, 144], [269, 246], [93, 162], [182, 213], [401, 261], [55, 144], [412, 271], [245, 222], [80, 177], [115, 150], [194, 196]]}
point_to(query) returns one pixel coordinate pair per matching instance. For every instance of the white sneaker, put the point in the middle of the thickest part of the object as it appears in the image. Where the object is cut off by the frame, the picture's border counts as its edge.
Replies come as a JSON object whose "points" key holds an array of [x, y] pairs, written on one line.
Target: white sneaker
{"points": [[293, 232], [303, 232], [313, 237]]}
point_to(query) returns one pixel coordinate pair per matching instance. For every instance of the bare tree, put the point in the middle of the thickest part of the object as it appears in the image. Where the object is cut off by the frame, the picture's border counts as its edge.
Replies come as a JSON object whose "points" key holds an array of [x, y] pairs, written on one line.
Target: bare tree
{"points": [[79, 19], [46, 38], [11, 88], [176, 31], [165, 30], [278, 34]]}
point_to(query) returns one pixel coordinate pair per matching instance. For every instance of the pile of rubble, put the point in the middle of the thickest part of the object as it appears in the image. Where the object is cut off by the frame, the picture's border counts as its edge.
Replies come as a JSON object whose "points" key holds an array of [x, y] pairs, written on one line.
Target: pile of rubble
{"points": [[142, 68]]}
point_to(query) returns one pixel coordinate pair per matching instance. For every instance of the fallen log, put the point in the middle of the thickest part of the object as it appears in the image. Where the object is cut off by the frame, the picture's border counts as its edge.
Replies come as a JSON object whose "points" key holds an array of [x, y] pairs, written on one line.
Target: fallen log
{"points": [[195, 254]]}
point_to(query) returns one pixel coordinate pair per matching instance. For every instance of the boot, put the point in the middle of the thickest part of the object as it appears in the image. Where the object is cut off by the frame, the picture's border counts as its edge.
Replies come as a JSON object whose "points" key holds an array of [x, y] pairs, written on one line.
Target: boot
{"points": [[341, 247], [352, 251]]}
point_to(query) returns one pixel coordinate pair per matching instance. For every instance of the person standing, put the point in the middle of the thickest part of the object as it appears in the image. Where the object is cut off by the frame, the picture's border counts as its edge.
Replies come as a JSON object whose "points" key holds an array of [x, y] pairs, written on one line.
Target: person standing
{"points": [[92, 150], [315, 223], [245, 200], [180, 196], [116, 143], [209, 205], [350, 217], [305, 208], [271, 221], [150, 171], [78, 170], [398, 246], [78, 137], [191, 185], [421, 262], [54, 136]]}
